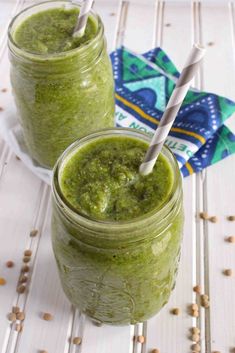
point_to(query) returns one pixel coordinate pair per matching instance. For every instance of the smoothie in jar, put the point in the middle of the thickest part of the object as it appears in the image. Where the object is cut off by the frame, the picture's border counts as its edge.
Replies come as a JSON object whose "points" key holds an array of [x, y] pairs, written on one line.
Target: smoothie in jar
{"points": [[116, 234], [62, 85]]}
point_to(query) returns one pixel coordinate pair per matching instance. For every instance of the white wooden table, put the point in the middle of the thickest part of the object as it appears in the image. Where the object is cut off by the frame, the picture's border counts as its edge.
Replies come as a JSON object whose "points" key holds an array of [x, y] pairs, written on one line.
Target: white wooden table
{"points": [[25, 203]]}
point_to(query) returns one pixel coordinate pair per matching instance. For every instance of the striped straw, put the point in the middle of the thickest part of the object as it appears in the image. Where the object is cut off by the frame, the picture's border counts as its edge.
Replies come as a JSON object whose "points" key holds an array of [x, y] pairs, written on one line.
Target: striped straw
{"points": [[80, 27], [191, 66]]}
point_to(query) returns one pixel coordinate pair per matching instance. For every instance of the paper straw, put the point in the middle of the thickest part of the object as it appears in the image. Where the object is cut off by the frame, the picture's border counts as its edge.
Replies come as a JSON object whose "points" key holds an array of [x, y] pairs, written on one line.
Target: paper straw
{"points": [[80, 27], [190, 68]]}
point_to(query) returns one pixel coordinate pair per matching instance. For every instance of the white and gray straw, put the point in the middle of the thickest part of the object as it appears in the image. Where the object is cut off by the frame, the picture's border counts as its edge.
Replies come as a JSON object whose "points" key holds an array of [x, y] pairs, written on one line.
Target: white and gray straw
{"points": [[80, 27], [190, 68]]}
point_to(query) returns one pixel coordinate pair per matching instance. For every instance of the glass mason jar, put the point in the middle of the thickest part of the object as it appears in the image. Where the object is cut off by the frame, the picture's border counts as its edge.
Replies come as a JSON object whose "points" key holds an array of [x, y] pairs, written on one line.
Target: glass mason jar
{"points": [[60, 97], [117, 272]]}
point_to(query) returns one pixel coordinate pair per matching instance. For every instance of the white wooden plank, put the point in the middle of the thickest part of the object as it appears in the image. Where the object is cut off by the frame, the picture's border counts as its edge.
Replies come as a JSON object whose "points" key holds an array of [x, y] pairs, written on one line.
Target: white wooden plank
{"points": [[140, 26], [109, 12], [20, 196], [20, 193], [46, 295], [105, 339], [174, 19], [8, 10], [218, 62], [220, 255]]}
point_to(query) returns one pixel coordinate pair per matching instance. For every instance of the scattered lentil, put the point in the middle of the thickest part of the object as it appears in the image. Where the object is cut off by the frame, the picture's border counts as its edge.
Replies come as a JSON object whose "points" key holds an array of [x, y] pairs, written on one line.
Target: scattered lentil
{"points": [[23, 279], [15, 309], [213, 219], [206, 305], [196, 347], [197, 289], [205, 302], [1, 109], [18, 158], [175, 311], [168, 25], [231, 239], [195, 337], [77, 340], [26, 259], [11, 317], [195, 313], [21, 289], [2, 281], [97, 323], [194, 307], [10, 264], [4, 90], [34, 232], [20, 316], [216, 352], [47, 317], [203, 215], [141, 339], [28, 252], [25, 268], [204, 297], [231, 218], [155, 350], [112, 14], [195, 330], [43, 351], [18, 327], [228, 272], [210, 44]]}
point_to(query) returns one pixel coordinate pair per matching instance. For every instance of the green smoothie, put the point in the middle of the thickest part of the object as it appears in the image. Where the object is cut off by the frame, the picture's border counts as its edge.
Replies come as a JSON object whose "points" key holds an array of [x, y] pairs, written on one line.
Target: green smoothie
{"points": [[116, 235], [51, 32], [102, 180], [63, 86]]}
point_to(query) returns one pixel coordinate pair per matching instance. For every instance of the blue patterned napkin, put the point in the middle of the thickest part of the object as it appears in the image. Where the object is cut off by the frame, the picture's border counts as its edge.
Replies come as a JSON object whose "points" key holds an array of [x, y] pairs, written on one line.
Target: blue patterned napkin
{"points": [[144, 83]]}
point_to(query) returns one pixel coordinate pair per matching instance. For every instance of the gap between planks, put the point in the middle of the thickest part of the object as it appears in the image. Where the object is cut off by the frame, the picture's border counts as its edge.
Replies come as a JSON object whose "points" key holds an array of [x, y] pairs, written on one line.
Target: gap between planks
{"points": [[202, 270]]}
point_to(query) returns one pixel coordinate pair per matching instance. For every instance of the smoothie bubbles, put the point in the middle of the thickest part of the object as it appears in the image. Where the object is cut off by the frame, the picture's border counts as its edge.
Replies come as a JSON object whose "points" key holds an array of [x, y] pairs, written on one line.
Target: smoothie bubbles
{"points": [[62, 83]]}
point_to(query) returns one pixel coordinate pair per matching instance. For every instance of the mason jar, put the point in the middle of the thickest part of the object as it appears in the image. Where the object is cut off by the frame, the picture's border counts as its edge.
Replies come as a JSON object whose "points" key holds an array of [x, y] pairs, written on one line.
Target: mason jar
{"points": [[60, 97], [117, 272]]}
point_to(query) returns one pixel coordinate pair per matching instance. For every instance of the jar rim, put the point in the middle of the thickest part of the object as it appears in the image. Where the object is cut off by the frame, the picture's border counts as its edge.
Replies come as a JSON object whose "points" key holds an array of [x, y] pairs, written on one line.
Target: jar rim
{"points": [[37, 56], [161, 212]]}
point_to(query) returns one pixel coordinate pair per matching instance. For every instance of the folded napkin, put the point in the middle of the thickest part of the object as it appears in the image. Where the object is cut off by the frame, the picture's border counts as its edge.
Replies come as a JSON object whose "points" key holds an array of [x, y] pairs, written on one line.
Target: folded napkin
{"points": [[199, 136]]}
